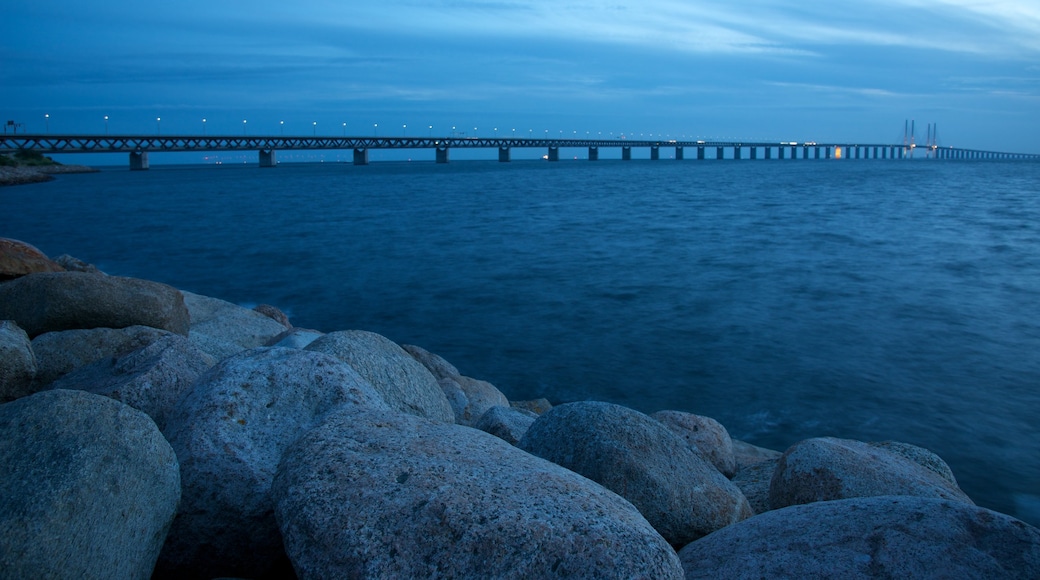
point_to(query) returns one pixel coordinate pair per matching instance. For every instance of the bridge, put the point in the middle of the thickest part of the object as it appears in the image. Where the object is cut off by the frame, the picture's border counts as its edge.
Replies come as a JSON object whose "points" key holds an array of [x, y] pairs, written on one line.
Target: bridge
{"points": [[138, 147]]}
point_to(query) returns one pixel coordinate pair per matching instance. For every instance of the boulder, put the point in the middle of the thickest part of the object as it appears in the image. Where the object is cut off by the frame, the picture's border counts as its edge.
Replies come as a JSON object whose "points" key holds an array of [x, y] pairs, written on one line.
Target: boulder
{"points": [[877, 537], [705, 436], [223, 329], [827, 468], [536, 406], [440, 368], [229, 433], [471, 398], [404, 383], [152, 379], [274, 314], [17, 362], [52, 301], [375, 494], [89, 488], [681, 494], [19, 258], [72, 264], [506, 423], [753, 481], [919, 455], [746, 454], [295, 338], [59, 353]]}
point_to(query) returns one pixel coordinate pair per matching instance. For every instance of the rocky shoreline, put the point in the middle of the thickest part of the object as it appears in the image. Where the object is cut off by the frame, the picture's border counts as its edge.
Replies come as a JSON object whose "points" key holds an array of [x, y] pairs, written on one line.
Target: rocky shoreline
{"points": [[21, 175], [152, 432]]}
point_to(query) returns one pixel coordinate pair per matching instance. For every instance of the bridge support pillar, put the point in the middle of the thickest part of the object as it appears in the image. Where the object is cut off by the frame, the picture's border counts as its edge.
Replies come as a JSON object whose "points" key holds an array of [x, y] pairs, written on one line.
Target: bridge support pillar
{"points": [[794, 152], [267, 158], [805, 152], [700, 153], [138, 160], [626, 153], [736, 152], [719, 153], [769, 152], [817, 153], [503, 154], [593, 153], [754, 152], [442, 155], [361, 157], [655, 152], [554, 153], [679, 154], [780, 152]]}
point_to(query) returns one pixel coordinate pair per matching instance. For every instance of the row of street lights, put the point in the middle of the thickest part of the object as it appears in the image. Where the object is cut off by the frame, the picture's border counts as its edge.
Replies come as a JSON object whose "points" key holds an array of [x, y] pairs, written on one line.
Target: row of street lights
{"points": [[375, 129]]}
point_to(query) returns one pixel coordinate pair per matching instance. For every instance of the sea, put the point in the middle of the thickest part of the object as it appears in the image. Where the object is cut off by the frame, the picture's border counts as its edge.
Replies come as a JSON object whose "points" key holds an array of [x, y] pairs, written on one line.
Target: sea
{"points": [[863, 299]]}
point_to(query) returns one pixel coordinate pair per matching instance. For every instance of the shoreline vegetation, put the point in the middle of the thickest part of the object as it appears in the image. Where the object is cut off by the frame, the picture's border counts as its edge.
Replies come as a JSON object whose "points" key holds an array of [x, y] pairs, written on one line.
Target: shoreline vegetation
{"points": [[159, 433], [33, 167]]}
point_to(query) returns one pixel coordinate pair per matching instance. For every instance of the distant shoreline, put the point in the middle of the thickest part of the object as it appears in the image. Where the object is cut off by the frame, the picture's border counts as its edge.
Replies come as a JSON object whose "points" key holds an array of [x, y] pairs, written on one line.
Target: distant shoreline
{"points": [[37, 174]]}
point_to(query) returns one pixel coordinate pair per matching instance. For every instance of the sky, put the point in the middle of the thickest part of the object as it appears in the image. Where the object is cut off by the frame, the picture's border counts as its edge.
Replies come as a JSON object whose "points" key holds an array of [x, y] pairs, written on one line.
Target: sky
{"points": [[750, 70]]}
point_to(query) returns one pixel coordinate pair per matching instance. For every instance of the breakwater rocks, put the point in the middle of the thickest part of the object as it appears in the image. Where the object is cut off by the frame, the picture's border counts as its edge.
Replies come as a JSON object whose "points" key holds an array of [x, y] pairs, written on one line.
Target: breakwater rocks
{"points": [[151, 432], [22, 175]]}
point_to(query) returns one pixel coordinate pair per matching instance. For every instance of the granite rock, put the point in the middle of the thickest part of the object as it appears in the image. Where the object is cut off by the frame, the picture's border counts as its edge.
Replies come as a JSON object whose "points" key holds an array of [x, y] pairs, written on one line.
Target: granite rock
{"points": [[876, 537], [440, 368], [223, 329], [471, 398], [59, 353], [88, 490], [705, 436], [17, 362], [389, 495], [681, 494], [18, 258], [506, 423], [403, 382], [827, 468], [229, 433]]}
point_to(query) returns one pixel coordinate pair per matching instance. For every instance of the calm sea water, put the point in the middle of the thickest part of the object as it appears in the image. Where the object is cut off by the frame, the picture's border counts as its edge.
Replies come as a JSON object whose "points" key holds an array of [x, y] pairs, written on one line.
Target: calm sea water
{"points": [[863, 299]]}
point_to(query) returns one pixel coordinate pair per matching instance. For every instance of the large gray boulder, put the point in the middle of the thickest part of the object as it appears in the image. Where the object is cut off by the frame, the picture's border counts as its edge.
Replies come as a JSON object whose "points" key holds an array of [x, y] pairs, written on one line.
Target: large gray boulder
{"points": [[876, 537], [747, 454], [51, 301], [506, 423], [705, 436], [229, 433], [471, 398], [440, 368], [681, 494], [223, 329], [404, 384], [152, 379], [827, 468], [17, 362], [59, 353], [88, 488], [754, 481], [389, 495]]}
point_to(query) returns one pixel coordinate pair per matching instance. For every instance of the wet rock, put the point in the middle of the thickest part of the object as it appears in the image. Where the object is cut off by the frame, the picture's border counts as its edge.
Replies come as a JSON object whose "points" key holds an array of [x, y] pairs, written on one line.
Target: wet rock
{"points": [[828, 468], [876, 537], [54, 301], [152, 379], [506, 423], [59, 353], [72, 264], [705, 436], [229, 433], [17, 362], [89, 488], [681, 494], [18, 258], [470, 398], [754, 480], [404, 383], [389, 495]]}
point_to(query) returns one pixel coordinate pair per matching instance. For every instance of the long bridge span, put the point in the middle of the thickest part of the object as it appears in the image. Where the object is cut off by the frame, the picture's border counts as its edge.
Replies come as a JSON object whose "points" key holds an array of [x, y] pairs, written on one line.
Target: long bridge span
{"points": [[138, 147]]}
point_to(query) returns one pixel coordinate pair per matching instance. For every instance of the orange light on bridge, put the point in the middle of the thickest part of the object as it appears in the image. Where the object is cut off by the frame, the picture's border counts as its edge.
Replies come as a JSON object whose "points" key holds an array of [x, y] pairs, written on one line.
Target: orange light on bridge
{"points": [[837, 152]]}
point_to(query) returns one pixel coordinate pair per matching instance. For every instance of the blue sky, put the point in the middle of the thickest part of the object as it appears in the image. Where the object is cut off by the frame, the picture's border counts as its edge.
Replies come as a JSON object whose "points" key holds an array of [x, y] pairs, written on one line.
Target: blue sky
{"points": [[747, 70]]}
